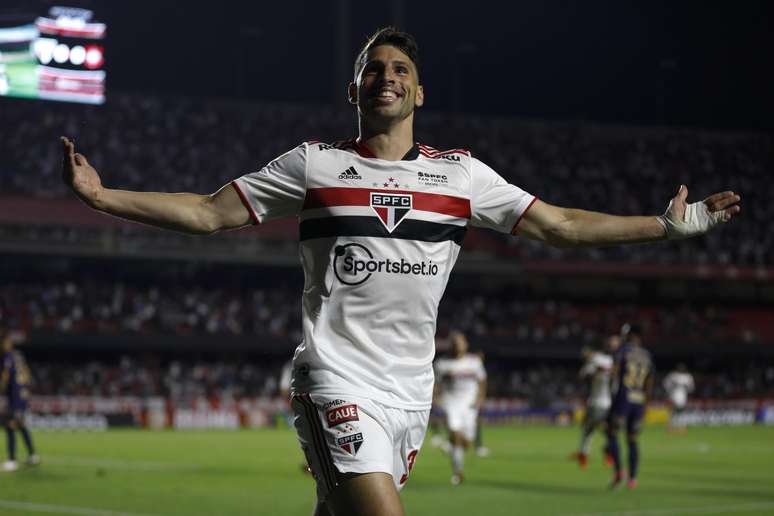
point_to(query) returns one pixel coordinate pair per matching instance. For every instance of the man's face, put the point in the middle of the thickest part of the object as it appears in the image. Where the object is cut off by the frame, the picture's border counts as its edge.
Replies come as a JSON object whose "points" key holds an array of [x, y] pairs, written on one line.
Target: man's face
{"points": [[387, 88], [613, 343], [459, 344]]}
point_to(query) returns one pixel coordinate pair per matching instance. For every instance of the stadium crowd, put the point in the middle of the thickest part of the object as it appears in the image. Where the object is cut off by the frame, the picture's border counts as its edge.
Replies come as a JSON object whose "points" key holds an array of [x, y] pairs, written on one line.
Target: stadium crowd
{"points": [[179, 144], [185, 380], [145, 377], [91, 307]]}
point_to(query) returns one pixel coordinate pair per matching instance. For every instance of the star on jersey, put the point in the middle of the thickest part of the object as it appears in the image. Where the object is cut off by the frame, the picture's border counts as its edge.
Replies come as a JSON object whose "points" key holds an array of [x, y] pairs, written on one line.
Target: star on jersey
{"points": [[390, 183]]}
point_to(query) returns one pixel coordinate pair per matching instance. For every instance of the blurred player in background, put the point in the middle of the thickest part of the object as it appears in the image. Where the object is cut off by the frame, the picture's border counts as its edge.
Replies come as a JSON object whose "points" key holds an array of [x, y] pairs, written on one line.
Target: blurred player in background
{"points": [[678, 384], [378, 243], [15, 379], [596, 371], [283, 385], [632, 387], [481, 450], [460, 389]]}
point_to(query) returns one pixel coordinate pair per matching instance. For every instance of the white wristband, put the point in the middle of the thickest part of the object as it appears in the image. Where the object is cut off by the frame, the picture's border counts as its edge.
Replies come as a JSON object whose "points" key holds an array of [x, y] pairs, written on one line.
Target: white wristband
{"points": [[697, 221]]}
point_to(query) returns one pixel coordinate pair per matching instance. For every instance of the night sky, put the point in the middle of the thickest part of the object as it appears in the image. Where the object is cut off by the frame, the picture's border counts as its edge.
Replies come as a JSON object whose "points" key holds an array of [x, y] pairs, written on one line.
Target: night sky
{"points": [[686, 63]]}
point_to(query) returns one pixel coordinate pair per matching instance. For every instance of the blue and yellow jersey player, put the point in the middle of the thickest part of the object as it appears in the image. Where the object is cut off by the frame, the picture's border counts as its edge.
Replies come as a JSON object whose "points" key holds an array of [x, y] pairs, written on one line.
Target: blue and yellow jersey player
{"points": [[15, 380], [632, 385]]}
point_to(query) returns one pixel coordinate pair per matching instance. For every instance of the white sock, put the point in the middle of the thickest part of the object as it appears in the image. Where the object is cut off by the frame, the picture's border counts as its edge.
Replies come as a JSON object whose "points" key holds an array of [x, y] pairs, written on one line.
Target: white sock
{"points": [[585, 442], [457, 458]]}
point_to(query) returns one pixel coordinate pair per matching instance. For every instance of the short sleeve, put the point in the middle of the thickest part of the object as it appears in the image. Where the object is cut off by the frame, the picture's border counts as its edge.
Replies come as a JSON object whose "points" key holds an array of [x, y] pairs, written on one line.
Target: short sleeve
{"points": [[278, 189], [603, 362], [495, 203], [439, 369], [480, 371]]}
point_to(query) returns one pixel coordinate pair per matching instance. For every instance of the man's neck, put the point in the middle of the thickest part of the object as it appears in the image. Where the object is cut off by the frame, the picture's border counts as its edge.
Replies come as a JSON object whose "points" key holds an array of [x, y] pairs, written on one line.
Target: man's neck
{"points": [[390, 144]]}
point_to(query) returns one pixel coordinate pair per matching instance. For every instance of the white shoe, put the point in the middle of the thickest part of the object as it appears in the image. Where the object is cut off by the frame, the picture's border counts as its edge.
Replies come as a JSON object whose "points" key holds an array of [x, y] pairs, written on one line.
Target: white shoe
{"points": [[33, 460], [10, 465], [457, 479], [483, 451]]}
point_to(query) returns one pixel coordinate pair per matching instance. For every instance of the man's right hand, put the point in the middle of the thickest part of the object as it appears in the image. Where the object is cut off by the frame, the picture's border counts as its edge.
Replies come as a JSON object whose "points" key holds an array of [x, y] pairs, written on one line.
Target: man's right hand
{"points": [[79, 175]]}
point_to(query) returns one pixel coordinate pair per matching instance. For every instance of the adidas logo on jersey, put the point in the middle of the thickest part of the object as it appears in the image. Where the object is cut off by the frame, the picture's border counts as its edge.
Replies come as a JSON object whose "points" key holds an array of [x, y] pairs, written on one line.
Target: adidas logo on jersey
{"points": [[350, 174]]}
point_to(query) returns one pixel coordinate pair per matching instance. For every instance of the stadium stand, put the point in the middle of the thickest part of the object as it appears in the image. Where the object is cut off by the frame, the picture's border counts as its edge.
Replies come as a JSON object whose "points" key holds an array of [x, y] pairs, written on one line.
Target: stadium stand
{"points": [[135, 312], [175, 144]]}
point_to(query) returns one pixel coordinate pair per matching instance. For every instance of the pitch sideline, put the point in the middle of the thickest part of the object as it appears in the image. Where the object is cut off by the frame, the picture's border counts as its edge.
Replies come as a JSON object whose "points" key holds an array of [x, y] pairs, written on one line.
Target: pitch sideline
{"points": [[64, 509], [685, 510]]}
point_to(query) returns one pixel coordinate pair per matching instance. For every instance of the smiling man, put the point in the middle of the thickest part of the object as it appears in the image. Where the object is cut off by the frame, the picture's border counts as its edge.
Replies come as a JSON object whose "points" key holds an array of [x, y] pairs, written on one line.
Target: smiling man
{"points": [[382, 219]]}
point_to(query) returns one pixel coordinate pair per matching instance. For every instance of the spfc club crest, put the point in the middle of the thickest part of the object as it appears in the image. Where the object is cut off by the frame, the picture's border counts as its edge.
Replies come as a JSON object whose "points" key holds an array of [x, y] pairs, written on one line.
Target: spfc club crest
{"points": [[351, 443], [391, 208]]}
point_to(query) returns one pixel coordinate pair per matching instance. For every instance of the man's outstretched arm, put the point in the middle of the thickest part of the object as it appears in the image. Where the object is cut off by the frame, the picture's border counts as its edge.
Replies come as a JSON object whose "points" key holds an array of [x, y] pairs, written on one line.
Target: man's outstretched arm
{"points": [[566, 227], [185, 212]]}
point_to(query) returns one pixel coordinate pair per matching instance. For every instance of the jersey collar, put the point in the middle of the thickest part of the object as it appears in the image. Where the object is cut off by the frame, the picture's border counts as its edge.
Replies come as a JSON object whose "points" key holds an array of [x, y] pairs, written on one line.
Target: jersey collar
{"points": [[360, 148]]}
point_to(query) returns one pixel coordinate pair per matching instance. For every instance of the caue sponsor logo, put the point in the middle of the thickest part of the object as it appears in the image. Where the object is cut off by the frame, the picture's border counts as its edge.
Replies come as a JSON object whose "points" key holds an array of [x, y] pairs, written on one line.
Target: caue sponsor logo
{"points": [[354, 264], [342, 414]]}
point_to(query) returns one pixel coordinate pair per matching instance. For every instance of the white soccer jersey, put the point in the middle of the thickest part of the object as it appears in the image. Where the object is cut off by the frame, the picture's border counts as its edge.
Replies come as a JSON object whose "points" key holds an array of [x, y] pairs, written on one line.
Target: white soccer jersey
{"points": [[458, 380], [598, 368], [378, 240], [678, 385]]}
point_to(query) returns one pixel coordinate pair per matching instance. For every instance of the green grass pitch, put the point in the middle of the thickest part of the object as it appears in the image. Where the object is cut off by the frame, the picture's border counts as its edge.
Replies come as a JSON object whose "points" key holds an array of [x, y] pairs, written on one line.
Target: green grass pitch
{"points": [[707, 471]]}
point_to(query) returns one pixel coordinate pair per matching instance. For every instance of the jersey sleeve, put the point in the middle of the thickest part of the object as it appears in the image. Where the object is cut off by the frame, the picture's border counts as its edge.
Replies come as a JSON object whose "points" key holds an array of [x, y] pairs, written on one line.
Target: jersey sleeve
{"points": [[278, 189], [480, 370], [603, 362], [438, 369], [588, 369], [495, 203]]}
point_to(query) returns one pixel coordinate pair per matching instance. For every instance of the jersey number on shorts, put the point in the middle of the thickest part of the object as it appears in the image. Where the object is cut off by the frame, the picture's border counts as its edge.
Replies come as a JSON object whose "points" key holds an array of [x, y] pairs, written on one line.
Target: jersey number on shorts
{"points": [[410, 459]]}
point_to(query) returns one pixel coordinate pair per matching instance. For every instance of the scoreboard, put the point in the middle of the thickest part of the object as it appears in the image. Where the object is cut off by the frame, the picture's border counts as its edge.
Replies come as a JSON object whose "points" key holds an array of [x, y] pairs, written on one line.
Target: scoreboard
{"points": [[56, 56]]}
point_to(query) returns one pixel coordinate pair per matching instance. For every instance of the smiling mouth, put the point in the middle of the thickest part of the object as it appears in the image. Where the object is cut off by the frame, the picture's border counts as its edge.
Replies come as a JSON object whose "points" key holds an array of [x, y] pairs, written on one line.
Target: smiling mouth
{"points": [[386, 96]]}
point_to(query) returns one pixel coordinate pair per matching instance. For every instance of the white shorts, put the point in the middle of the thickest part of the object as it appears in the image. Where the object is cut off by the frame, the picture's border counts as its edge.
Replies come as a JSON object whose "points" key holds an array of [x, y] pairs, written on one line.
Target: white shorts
{"points": [[343, 434], [462, 418]]}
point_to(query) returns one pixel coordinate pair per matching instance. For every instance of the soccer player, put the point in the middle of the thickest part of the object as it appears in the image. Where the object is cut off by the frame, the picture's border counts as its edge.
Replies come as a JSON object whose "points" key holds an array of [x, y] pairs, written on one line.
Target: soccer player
{"points": [[596, 371], [15, 379], [460, 383], [481, 450], [382, 220], [678, 384], [283, 386], [632, 386]]}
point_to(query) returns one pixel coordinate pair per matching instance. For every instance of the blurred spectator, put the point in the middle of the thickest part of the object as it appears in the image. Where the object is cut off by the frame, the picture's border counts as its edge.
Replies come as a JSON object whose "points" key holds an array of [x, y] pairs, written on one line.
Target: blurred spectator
{"points": [[184, 380], [103, 306]]}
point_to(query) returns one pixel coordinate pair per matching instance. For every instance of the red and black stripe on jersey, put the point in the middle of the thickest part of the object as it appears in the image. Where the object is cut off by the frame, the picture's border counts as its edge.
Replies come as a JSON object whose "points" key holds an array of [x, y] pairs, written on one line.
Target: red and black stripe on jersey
{"points": [[371, 226]]}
